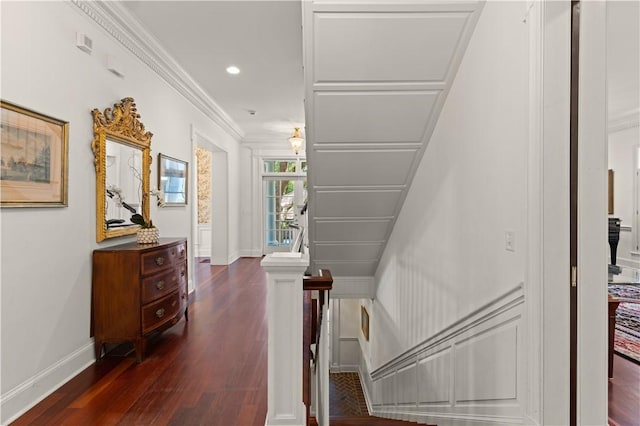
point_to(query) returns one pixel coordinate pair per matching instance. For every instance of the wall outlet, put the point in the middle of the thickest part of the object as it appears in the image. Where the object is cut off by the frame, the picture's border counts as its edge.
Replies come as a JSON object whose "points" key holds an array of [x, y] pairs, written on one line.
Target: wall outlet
{"points": [[510, 240]]}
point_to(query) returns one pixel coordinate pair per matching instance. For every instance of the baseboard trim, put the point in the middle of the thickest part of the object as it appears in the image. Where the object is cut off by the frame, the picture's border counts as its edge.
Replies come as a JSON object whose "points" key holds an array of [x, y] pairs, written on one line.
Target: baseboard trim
{"points": [[250, 253], [233, 257], [365, 390], [26, 395], [449, 419]]}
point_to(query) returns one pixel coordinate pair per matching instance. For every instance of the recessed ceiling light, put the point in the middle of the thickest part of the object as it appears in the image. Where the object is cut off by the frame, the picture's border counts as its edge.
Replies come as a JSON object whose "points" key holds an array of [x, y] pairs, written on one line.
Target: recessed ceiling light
{"points": [[233, 70]]}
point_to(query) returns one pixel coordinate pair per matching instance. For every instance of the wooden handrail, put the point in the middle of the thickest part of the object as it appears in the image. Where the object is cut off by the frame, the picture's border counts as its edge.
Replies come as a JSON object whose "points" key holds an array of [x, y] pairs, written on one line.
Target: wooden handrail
{"points": [[324, 281]]}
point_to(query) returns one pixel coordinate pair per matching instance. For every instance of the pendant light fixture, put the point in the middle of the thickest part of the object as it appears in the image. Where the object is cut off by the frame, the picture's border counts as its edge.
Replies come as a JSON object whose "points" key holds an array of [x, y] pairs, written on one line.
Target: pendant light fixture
{"points": [[296, 141]]}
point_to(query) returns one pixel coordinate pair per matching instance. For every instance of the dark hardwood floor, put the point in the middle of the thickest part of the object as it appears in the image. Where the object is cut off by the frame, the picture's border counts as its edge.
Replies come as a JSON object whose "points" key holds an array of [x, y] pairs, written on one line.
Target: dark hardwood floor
{"points": [[624, 393], [211, 370]]}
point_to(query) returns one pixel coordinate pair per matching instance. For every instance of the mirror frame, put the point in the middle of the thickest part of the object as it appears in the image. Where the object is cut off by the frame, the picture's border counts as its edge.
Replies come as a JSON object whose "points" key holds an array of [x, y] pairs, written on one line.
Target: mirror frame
{"points": [[120, 124]]}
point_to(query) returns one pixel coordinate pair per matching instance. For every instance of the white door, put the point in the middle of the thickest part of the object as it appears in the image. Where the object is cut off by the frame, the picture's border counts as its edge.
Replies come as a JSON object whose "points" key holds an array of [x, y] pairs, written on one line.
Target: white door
{"points": [[283, 198]]}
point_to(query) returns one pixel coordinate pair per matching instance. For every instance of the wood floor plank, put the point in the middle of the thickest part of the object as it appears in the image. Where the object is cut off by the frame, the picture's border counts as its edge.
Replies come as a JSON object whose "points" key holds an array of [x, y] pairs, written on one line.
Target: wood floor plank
{"points": [[624, 392]]}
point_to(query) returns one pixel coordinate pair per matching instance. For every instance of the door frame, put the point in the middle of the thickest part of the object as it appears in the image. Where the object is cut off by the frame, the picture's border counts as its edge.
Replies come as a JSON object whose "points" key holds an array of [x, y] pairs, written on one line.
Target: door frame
{"points": [[219, 197], [548, 273]]}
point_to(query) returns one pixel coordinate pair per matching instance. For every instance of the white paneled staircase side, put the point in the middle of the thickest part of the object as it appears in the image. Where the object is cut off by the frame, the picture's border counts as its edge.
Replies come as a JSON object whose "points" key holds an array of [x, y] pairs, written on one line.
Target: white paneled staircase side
{"points": [[376, 78], [470, 373]]}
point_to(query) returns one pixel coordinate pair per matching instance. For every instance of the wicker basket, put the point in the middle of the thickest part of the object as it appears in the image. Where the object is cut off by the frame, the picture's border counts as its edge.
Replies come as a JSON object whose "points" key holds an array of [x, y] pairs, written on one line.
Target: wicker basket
{"points": [[148, 236]]}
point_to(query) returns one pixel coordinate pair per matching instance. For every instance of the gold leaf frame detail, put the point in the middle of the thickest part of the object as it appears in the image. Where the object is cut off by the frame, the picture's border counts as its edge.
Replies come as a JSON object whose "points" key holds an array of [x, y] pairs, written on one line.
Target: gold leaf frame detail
{"points": [[121, 124]]}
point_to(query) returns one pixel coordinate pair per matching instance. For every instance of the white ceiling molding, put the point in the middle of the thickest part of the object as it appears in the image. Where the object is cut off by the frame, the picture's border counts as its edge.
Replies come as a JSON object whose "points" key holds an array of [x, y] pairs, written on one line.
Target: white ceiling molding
{"points": [[117, 21], [624, 121], [267, 143]]}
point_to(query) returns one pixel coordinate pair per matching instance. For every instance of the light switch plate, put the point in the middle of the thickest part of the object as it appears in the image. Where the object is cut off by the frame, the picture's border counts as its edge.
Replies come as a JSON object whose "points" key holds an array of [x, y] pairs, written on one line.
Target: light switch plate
{"points": [[510, 241]]}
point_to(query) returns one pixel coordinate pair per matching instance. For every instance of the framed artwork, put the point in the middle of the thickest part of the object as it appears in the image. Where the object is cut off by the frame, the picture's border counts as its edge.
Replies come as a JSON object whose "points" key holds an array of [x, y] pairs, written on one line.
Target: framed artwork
{"points": [[364, 322], [34, 158], [173, 178]]}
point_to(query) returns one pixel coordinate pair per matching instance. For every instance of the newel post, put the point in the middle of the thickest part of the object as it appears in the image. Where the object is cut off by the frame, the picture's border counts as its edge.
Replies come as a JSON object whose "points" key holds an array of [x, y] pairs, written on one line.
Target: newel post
{"points": [[284, 310]]}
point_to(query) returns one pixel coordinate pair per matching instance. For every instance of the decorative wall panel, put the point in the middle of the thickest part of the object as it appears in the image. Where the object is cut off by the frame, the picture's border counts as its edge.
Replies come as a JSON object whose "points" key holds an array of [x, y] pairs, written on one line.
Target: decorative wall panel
{"points": [[470, 372], [428, 41]]}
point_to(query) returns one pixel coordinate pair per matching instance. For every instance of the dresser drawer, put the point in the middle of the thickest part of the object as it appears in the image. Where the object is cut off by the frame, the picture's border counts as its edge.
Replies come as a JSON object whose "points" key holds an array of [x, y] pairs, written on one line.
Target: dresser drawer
{"points": [[163, 258], [159, 285], [158, 313], [156, 261]]}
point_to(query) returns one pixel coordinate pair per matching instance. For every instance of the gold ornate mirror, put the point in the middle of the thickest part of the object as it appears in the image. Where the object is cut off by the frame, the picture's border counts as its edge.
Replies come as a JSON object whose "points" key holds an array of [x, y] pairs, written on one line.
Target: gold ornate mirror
{"points": [[121, 150]]}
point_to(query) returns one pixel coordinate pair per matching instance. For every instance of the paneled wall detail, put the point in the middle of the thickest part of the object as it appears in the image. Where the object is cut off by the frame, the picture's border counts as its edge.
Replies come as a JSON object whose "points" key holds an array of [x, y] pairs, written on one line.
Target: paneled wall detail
{"points": [[469, 373], [377, 75]]}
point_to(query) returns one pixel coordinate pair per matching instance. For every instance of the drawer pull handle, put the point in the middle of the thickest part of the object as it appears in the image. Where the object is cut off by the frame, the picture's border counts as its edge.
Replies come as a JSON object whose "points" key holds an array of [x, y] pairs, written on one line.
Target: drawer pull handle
{"points": [[160, 261], [160, 313], [160, 285], [182, 273], [181, 252]]}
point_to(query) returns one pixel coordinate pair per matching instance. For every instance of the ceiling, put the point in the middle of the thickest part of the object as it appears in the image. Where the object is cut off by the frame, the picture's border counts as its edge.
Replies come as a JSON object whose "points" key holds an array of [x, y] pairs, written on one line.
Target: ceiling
{"points": [[262, 38], [377, 75]]}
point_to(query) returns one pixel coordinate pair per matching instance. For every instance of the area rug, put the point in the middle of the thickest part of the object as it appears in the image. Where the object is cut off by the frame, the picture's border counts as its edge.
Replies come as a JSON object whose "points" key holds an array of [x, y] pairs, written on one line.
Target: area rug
{"points": [[627, 335]]}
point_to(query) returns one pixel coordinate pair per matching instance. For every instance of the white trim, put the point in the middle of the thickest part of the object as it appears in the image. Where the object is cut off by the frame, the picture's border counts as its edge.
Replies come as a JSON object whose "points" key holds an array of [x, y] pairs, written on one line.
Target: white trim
{"points": [[118, 22], [220, 185], [27, 394], [233, 257], [592, 211], [534, 268], [249, 253]]}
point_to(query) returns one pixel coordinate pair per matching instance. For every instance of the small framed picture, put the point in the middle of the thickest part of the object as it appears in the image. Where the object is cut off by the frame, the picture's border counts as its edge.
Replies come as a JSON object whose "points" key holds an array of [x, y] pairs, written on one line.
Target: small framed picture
{"points": [[364, 322], [34, 157], [173, 178]]}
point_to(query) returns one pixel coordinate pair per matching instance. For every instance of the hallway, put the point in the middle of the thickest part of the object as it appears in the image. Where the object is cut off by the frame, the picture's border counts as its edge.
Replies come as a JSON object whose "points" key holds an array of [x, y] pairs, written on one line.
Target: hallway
{"points": [[209, 371]]}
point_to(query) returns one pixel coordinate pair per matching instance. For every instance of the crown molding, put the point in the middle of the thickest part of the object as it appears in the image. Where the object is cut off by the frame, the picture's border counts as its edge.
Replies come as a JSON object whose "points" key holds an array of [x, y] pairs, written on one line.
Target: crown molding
{"points": [[624, 121], [118, 22], [265, 143]]}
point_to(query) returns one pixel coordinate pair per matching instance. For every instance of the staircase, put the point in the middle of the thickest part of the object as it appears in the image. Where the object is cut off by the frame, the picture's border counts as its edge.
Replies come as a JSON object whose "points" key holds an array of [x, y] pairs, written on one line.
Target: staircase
{"points": [[348, 406]]}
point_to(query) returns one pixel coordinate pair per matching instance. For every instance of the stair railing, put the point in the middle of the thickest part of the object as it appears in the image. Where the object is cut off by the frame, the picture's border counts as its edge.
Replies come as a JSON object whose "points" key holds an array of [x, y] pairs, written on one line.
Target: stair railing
{"points": [[316, 347]]}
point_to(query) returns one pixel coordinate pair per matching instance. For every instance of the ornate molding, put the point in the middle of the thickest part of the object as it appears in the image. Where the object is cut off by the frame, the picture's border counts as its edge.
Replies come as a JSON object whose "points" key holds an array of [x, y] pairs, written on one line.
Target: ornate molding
{"points": [[122, 120], [118, 22]]}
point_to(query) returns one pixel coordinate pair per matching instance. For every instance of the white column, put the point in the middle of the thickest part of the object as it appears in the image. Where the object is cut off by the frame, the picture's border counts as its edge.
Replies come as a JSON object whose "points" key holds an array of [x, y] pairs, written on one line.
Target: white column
{"points": [[284, 310]]}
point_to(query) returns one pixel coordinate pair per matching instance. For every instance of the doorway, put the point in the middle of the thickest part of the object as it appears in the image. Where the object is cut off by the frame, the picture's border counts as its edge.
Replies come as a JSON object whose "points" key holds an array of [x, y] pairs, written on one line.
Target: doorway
{"points": [[623, 254], [284, 194], [210, 229]]}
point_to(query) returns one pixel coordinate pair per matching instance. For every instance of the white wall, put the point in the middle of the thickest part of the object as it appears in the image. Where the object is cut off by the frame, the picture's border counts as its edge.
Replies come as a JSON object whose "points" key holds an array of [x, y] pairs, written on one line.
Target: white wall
{"points": [[449, 242], [345, 349], [46, 256], [446, 260], [622, 147]]}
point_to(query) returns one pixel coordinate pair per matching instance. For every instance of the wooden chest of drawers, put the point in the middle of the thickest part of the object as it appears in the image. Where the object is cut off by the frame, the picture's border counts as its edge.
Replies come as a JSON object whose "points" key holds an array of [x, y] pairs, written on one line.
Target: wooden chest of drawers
{"points": [[138, 290]]}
